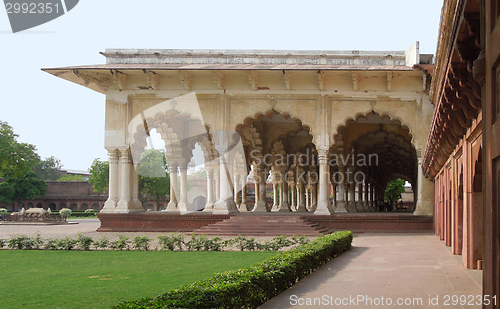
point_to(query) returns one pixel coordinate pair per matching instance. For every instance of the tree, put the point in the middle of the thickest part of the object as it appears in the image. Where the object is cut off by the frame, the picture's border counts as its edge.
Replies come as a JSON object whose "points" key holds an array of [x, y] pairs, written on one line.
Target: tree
{"points": [[154, 179], [99, 175], [69, 177], [48, 169], [394, 190], [17, 158], [18, 188]]}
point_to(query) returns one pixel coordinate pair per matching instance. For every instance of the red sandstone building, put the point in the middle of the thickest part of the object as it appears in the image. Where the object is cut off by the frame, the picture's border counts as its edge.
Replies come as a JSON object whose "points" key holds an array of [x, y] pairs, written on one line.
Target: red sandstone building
{"points": [[462, 157]]}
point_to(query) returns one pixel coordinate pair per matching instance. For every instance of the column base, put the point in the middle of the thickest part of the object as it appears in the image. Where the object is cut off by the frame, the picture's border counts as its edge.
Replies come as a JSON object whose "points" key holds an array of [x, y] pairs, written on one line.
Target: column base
{"points": [[301, 208], [225, 207], [420, 209], [351, 207], [260, 207], [340, 207], [184, 207], [323, 209], [109, 207], [126, 207], [284, 207], [314, 207], [209, 207], [244, 207], [172, 205], [138, 204]]}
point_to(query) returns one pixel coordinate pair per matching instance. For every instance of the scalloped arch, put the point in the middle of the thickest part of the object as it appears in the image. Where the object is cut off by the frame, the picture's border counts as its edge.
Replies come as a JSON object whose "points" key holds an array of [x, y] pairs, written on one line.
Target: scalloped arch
{"points": [[361, 117]]}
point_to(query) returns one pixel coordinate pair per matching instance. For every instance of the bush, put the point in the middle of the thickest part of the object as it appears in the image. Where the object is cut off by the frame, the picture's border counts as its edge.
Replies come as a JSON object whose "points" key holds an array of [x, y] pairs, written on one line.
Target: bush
{"points": [[90, 210], [101, 243], [23, 242], [65, 212], [171, 242], [141, 243], [51, 244], [253, 286], [3, 211], [84, 242], [67, 243], [197, 242], [2, 243], [121, 244]]}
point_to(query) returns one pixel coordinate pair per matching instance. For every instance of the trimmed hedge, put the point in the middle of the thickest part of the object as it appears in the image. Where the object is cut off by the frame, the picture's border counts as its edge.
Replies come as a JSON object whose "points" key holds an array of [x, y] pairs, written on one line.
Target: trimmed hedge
{"points": [[79, 214], [253, 286]]}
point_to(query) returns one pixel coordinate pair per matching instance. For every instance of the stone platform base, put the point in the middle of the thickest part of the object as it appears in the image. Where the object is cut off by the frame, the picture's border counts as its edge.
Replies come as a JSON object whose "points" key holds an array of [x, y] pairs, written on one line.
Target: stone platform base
{"points": [[375, 222], [188, 223], [157, 222]]}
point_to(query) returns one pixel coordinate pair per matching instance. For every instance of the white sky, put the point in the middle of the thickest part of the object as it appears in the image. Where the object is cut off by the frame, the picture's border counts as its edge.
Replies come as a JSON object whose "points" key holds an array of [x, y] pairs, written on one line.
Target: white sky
{"points": [[67, 120]]}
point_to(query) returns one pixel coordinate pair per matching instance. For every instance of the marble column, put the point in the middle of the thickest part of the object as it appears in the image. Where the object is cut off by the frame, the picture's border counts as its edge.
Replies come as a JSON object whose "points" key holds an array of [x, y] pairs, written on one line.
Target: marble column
{"points": [[352, 198], [284, 205], [125, 202], [183, 204], [137, 204], [217, 184], [341, 204], [209, 206], [366, 204], [225, 204], [301, 196], [172, 205], [360, 197], [244, 205], [293, 204], [275, 197], [110, 205], [261, 203], [236, 187]]}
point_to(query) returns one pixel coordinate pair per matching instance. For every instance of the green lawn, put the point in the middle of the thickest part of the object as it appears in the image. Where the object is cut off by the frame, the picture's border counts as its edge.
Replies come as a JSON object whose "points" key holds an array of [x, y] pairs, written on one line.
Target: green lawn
{"points": [[99, 279]]}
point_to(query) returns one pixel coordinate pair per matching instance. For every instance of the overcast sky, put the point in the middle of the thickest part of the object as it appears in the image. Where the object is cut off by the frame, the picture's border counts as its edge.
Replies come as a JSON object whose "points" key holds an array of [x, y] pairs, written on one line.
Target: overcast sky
{"points": [[66, 120]]}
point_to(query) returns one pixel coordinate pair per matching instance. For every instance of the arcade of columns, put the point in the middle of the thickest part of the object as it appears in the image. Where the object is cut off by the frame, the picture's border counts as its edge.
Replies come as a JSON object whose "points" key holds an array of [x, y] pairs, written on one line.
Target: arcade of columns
{"points": [[329, 129]]}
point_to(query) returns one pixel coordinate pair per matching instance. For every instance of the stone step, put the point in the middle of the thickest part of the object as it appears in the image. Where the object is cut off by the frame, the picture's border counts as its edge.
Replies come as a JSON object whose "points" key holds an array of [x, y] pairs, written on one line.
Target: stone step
{"points": [[262, 225]]}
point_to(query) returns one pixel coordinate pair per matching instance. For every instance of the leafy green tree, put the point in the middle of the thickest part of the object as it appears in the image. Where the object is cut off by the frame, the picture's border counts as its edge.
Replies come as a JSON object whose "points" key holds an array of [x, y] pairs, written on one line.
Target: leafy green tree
{"points": [[18, 188], [394, 190], [154, 179], [69, 177], [99, 175], [48, 169], [15, 157]]}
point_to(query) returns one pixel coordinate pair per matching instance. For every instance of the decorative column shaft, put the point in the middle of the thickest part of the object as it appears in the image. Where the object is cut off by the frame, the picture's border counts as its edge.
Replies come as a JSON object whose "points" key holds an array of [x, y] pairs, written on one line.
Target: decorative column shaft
{"points": [[210, 190], [125, 202], [225, 204], [172, 205], [137, 204], [352, 197], [236, 187], [183, 203], [284, 205], [360, 196], [110, 204], [341, 205], [261, 205], [244, 205]]}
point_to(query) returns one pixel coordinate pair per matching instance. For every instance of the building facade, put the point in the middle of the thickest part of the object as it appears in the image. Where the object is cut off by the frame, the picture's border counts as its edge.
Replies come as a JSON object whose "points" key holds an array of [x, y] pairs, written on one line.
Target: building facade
{"points": [[330, 129], [463, 147]]}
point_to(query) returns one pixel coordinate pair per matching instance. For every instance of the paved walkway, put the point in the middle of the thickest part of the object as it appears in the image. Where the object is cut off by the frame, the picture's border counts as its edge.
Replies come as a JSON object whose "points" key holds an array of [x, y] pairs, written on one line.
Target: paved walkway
{"points": [[411, 268]]}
